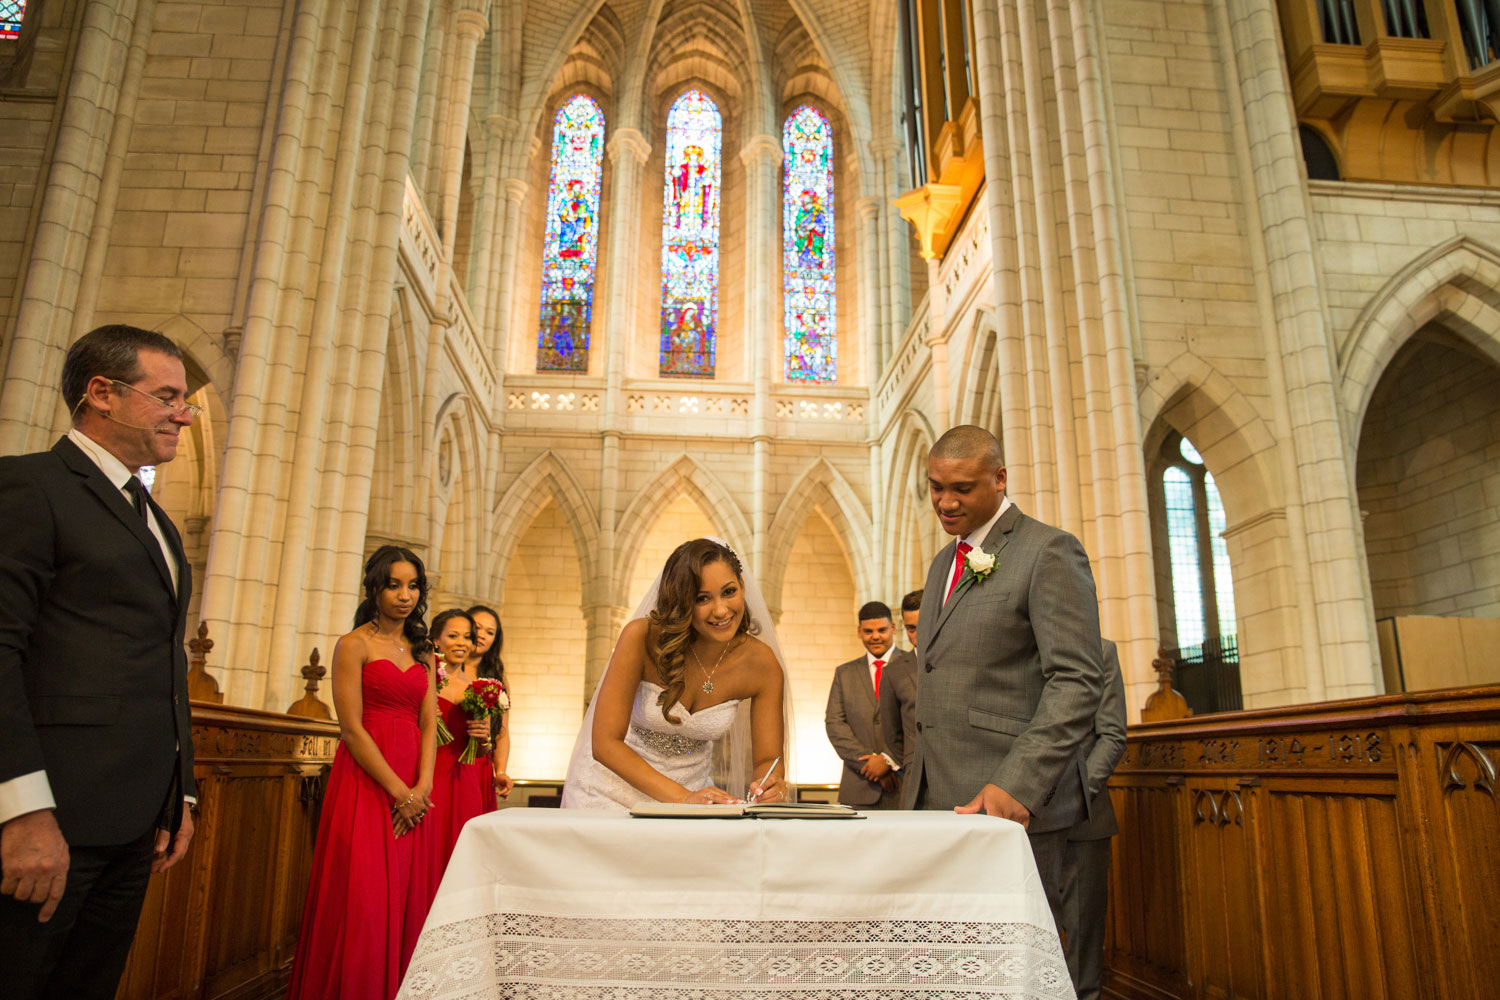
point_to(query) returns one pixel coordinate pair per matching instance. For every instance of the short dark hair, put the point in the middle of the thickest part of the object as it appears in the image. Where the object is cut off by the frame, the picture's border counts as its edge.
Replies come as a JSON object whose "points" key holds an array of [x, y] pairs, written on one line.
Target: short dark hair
{"points": [[912, 601], [875, 609], [113, 352]]}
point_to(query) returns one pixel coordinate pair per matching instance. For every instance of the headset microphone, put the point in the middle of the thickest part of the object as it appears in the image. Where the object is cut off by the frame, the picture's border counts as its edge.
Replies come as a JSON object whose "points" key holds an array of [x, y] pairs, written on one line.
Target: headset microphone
{"points": [[140, 427]]}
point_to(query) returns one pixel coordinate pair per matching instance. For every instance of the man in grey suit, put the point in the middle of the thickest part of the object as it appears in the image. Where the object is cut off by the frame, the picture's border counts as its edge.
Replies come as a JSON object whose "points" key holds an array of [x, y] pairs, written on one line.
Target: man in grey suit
{"points": [[898, 692], [1085, 869], [1011, 672], [853, 716]]}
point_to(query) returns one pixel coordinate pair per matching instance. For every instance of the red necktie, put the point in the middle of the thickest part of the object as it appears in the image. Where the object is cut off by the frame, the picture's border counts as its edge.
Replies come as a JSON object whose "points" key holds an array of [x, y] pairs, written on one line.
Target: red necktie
{"points": [[878, 665], [958, 568]]}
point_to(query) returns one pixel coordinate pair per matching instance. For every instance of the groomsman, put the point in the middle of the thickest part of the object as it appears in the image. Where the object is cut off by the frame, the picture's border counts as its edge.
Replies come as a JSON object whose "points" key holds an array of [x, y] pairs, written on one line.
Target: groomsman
{"points": [[96, 749], [1011, 667], [898, 692], [1085, 869], [853, 716]]}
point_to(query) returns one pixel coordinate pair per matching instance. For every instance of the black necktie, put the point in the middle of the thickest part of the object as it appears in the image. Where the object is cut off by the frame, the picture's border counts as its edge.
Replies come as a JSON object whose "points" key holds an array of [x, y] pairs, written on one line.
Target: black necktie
{"points": [[137, 491]]}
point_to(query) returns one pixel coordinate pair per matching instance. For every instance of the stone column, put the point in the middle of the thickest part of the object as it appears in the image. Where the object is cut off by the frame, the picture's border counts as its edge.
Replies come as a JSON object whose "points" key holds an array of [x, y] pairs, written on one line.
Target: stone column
{"points": [[896, 265], [114, 165], [1339, 645], [877, 350], [470, 21], [502, 310], [762, 158], [50, 284], [324, 336], [628, 151], [1011, 349], [245, 505]]}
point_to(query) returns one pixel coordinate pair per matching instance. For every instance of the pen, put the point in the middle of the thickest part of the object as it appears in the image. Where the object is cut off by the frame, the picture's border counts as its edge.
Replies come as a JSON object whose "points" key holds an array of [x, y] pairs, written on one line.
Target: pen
{"points": [[762, 782]]}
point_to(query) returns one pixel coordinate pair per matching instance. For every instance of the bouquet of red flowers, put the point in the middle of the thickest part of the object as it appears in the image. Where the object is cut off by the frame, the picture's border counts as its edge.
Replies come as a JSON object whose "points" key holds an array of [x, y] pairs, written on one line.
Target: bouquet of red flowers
{"points": [[484, 698]]}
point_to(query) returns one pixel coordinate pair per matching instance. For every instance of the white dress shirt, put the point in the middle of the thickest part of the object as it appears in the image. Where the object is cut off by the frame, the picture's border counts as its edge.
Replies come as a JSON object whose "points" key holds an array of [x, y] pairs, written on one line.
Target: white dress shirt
{"points": [[976, 537]]}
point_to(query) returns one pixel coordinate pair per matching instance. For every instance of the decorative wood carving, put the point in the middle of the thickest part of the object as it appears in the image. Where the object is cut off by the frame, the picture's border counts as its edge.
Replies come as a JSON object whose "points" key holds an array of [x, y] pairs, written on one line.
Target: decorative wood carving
{"points": [[1484, 780], [201, 684], [1335, 849], [223, 923], [309, 706], [1164, 703]]}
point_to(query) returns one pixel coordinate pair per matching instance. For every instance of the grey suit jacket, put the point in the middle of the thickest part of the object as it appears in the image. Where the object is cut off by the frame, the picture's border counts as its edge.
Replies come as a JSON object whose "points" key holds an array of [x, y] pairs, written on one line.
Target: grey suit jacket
{"points": [[898, 708], [853, 724], [1010, 675], [1108, 746]]}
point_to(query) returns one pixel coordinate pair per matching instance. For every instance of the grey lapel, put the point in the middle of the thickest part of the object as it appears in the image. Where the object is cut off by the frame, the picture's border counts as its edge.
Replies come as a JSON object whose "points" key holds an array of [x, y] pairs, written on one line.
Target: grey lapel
{"points": [[996, 540]]}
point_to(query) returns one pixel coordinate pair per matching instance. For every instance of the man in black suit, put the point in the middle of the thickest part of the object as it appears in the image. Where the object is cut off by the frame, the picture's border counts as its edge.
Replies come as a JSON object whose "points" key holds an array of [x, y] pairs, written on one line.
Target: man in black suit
{"points": [[1085, 867], [96, 752], [853, 715], [898, 692]]}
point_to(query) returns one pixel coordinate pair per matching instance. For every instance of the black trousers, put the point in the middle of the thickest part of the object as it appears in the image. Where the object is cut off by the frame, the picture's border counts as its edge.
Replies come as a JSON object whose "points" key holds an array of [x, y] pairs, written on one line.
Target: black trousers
{"points": [[1086, 907], [80, 953]]}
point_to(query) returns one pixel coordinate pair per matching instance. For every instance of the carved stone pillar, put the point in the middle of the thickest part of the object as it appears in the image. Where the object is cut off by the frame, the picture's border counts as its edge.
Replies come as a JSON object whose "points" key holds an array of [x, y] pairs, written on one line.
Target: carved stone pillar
{"points": [[762, 159]]}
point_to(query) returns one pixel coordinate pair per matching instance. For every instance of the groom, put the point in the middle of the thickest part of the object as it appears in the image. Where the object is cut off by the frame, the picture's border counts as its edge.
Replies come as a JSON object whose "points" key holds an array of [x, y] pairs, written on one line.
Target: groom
{"points": [[1011, 664]]}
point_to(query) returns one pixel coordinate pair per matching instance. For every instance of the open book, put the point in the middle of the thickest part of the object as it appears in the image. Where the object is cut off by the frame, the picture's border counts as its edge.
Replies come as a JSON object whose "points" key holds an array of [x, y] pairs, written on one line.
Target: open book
{"points": [[745, 810]]}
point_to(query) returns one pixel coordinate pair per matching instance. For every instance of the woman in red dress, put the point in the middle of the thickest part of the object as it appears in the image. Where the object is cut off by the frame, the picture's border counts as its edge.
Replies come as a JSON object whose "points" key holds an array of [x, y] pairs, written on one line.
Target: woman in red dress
{"points": [[368, 896], [460, 791], [484, 661]]}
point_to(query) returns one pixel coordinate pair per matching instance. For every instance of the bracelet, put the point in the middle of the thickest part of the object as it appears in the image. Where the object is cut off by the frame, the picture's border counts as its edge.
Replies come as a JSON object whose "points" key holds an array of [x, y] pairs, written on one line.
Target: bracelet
{"points": [[408, 800]]}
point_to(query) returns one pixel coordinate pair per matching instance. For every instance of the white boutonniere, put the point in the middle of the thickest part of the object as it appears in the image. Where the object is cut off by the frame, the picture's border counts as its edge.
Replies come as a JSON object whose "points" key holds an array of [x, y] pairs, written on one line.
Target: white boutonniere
{"points": [[979, 563]]}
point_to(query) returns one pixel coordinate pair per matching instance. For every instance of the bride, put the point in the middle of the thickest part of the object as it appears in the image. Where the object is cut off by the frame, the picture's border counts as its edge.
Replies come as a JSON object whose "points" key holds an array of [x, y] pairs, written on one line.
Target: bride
{"points": [[678, 680]]}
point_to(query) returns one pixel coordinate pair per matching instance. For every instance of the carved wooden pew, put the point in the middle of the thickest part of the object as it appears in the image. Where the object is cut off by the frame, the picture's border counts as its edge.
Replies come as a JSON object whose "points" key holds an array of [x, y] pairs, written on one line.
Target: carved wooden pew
{"points": [[223, 923], [1342, 849]]}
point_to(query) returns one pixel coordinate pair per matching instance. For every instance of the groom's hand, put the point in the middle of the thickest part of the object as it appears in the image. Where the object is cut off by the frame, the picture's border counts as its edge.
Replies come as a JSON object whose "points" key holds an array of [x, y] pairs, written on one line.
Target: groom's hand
{"points": [[34, 859], [993, 800]]}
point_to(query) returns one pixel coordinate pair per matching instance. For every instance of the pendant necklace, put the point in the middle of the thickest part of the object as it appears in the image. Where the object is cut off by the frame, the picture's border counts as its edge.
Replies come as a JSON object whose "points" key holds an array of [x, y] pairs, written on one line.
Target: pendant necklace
{"points": [[708, 683]]}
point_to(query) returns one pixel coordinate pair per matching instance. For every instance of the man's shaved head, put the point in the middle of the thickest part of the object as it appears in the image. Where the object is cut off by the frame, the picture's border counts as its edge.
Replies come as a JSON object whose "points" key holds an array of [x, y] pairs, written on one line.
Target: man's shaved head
{"points": [[967, 441]]}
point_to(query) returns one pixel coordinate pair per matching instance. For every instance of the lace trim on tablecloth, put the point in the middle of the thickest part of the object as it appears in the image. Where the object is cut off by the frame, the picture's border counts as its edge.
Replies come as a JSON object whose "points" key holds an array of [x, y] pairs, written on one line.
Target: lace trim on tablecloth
{"points": [[562, 958]]}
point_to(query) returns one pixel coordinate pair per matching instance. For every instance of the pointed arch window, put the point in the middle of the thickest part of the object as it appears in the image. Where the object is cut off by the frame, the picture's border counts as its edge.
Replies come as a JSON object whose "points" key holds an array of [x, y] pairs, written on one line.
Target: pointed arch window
{"points": [[811, 338], [1202, 590], [12, 13], [690, 237], [571, 253], [1199, 606]]}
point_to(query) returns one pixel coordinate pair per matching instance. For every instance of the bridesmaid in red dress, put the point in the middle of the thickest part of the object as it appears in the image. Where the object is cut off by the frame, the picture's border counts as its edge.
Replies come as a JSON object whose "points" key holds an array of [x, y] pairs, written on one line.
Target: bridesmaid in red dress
{"points": [[461, 791], [484, 661], [368, 895]]}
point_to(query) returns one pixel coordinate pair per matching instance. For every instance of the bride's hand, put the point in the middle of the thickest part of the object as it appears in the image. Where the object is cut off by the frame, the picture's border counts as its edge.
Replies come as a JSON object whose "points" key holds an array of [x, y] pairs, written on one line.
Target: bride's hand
{"points": [[709, 796], [773, 791]]}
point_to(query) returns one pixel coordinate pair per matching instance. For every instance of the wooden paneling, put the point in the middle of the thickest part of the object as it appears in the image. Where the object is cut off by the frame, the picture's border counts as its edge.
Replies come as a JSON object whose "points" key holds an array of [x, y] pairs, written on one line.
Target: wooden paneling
{"points": [[223, 923], [1345, 849]]}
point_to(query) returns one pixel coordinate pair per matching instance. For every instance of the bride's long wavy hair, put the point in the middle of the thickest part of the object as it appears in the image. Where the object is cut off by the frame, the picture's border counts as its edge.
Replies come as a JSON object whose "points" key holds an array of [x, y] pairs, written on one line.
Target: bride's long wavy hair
{"points": [[672, 618]]}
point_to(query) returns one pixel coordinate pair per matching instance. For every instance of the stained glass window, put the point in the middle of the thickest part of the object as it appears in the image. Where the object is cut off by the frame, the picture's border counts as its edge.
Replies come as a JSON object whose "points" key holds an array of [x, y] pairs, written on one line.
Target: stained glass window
{"points": [[1182, 539], [571, 251], [690, 237], [811, 343], [12, 12]]}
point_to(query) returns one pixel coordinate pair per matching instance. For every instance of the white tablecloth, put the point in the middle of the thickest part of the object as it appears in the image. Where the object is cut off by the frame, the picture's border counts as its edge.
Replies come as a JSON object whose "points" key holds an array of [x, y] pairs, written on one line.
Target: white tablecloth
{"points": [[576, 904]]}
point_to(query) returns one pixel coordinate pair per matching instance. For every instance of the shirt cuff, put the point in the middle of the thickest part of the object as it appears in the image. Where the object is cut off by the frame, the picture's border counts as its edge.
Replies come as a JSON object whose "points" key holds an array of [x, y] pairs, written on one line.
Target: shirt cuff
{"points": [[26, 794], [894, 765]]}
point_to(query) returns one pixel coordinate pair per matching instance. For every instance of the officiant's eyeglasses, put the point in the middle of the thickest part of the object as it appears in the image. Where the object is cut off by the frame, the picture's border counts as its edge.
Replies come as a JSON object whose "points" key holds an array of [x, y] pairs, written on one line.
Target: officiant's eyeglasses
{"points": [[183, 408]]}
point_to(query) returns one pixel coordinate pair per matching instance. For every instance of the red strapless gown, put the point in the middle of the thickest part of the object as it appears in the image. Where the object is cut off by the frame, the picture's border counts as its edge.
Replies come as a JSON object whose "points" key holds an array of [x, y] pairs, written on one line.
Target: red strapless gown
{"points": [[368, 896], [459, 793]]}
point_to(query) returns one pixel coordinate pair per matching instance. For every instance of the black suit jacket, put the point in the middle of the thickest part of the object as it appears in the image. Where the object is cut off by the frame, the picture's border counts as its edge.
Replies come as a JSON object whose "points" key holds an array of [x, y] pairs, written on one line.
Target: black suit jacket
{"points": [[93, 673]]}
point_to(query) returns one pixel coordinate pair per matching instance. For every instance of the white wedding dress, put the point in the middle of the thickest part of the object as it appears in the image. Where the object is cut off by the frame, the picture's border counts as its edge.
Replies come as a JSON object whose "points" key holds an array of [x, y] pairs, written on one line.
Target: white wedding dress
{"points": [[682, 752]]}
